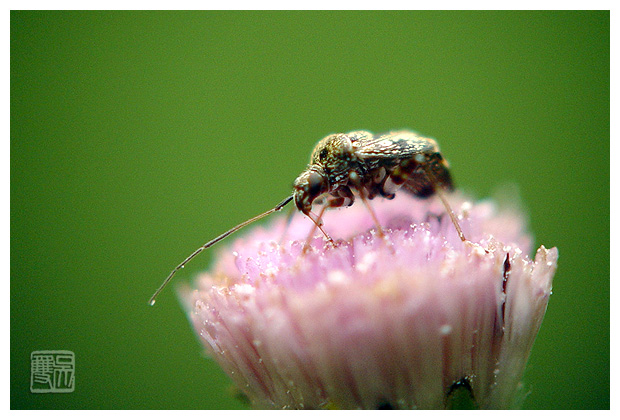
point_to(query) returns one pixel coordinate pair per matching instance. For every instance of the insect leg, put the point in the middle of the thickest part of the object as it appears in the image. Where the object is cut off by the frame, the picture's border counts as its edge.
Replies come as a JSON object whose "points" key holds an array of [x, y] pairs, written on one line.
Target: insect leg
{"points": [[442, 197], [317, 219], [375, 219], [354, 178], [318, 222]]}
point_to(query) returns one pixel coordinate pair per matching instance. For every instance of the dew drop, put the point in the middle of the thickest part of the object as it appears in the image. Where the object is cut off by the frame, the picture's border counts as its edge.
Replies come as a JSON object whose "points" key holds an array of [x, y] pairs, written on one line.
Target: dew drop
{"points": [[445, 329]]}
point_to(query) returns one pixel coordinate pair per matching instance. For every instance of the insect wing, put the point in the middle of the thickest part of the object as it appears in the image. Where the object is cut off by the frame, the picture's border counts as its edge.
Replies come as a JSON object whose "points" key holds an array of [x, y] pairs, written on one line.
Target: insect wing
{"points": [[395, 145]]}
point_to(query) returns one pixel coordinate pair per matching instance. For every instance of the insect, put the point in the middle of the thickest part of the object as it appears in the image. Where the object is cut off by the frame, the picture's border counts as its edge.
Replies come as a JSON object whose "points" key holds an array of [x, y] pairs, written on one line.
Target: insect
{"points": [[359, 163]]}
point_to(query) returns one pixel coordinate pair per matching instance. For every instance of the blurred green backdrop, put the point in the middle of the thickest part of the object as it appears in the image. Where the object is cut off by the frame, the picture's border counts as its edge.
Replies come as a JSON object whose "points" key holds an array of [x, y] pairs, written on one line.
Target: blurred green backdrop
{"points": [[137, 136]]}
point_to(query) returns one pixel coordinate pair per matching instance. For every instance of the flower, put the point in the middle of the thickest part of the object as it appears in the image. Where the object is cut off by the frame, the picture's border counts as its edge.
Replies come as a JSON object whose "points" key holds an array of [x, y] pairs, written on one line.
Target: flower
{"points": [[403, 320]]}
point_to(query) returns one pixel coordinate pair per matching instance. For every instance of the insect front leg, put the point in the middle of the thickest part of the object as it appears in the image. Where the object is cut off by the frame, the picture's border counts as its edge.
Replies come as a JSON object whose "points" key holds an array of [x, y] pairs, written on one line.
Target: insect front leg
{"points": [[330, 201]]}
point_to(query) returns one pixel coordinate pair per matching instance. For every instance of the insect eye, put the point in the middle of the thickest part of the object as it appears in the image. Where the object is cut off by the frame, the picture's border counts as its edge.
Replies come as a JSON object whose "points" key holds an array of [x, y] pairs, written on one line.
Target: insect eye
{"points": [[323, 154], [315, 184]]}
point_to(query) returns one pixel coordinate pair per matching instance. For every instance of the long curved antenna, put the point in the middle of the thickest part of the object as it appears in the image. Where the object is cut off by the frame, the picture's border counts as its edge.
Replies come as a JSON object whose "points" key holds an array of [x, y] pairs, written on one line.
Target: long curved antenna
{"points": [[213, 242]]}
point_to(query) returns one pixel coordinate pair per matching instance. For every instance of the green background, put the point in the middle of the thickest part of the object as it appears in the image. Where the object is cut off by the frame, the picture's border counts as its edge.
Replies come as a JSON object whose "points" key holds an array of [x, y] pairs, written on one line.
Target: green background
{"points": [[137, 136]]}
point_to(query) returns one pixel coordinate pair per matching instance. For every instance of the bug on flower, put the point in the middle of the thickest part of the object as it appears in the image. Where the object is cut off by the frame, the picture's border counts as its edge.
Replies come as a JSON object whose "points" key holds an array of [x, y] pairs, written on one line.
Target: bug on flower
{"points": [[359, 163]]}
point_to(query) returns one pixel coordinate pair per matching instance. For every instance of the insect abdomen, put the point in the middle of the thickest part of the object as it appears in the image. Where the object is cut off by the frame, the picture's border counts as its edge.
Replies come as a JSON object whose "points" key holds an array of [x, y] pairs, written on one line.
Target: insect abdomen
{"points": [[411, 175]]}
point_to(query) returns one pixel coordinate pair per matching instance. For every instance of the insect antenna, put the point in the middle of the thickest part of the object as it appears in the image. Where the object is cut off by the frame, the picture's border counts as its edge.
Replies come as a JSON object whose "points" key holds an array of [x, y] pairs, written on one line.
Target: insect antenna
{"points": [[213, 242]]}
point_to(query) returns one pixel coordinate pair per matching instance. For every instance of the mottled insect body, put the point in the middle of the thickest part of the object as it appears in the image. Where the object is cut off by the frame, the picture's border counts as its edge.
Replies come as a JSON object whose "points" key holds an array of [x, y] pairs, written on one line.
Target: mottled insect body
{"points": [[374, 166], [343, 166]]}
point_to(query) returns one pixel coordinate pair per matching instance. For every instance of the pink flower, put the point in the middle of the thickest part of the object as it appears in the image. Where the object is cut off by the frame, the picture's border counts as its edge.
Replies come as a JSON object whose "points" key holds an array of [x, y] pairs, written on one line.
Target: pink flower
{"points": [[403, 321]]}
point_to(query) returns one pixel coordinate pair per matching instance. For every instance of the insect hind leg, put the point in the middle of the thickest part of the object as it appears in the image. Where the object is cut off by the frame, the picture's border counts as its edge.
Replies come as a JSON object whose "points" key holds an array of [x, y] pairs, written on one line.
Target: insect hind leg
{"points": [[453, 217], [446, 183], [426, 175]]}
